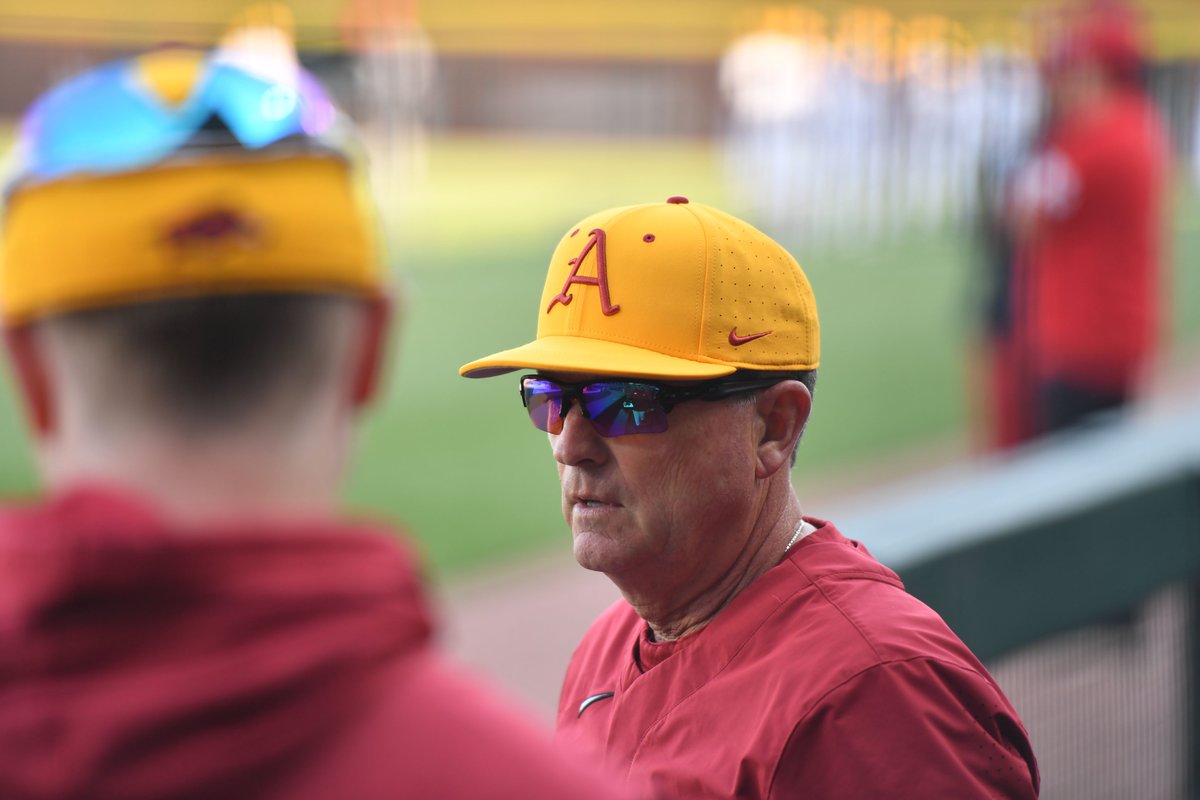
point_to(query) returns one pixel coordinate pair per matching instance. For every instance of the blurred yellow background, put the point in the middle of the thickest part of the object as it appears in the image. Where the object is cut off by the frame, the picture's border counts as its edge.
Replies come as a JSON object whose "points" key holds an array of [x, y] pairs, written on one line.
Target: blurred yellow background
{"points": [[667, 29]]}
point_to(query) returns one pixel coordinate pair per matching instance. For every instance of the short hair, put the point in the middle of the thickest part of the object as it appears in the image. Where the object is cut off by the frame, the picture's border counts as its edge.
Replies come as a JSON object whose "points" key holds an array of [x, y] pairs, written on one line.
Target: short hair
{"points": [[807, 376], [202, 363]]}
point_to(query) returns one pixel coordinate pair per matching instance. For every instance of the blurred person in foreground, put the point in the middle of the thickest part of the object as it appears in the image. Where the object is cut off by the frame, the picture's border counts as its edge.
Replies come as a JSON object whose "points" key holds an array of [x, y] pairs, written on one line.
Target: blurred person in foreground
{"points": [[1088, 214], [757, 652], [195, 312]]}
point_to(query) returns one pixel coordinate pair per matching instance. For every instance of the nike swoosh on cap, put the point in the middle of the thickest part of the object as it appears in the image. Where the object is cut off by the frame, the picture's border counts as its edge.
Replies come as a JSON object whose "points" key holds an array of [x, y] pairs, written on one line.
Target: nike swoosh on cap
{"points": [[738, 341], [596, 698]]}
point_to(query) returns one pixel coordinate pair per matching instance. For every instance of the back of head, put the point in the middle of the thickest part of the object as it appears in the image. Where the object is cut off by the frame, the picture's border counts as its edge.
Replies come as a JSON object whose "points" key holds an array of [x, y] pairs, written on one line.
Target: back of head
{"points": [[186, 235], [201, 366]]}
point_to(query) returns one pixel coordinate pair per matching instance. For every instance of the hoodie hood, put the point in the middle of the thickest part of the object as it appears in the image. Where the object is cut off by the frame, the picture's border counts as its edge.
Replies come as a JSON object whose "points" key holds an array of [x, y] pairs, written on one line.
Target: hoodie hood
{"points": [[136, 661]]}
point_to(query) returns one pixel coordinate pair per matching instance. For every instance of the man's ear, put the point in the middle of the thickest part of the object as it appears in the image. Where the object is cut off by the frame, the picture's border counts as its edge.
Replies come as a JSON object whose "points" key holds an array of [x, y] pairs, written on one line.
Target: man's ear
{"points": [[377, 317], [784, 410], [32, 377]]}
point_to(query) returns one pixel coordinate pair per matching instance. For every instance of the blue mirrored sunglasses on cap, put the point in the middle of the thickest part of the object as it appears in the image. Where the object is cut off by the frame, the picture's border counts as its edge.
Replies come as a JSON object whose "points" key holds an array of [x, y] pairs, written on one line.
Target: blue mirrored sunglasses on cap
{"points": [[110, 119], [621, 407]]}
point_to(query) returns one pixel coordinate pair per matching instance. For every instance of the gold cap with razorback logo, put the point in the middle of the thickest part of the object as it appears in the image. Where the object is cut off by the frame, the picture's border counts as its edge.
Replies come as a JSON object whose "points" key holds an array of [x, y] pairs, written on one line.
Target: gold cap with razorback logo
{"points": [[673, 290], [241, 226]]}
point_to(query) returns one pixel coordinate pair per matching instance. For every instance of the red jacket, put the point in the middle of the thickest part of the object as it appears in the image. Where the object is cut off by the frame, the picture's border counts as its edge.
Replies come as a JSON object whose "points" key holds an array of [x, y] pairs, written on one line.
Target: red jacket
{"points": [[1093, 266], [823, 679], [136, 662]]}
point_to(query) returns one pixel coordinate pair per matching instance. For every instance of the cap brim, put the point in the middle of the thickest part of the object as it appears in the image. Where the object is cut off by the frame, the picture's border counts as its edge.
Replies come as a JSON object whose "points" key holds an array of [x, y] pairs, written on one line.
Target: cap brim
{"points": [[594, 357]]}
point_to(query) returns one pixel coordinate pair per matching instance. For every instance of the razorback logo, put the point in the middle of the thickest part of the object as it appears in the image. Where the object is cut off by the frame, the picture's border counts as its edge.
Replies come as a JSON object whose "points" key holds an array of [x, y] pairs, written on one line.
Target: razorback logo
{"points": [[596, 240], [216, 226]]}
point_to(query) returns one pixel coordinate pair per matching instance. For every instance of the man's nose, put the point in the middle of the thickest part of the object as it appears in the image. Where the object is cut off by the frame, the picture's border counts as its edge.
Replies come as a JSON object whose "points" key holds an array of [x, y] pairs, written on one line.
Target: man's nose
{"points": [[579, 442]]}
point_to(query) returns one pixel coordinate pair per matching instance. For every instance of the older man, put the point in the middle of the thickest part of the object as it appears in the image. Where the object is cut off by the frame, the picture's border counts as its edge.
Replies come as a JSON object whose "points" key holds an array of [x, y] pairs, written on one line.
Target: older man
{"points": [[757, 652], [194, 305]]}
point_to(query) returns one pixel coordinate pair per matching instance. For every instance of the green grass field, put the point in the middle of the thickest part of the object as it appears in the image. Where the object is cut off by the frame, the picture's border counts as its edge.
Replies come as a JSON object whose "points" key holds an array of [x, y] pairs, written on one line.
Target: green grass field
{"points": [[457, 461]]}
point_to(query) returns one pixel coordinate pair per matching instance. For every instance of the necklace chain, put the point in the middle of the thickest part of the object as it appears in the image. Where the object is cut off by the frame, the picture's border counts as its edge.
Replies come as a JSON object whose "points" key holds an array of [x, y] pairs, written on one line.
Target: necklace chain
{"points": [[795, 537]]}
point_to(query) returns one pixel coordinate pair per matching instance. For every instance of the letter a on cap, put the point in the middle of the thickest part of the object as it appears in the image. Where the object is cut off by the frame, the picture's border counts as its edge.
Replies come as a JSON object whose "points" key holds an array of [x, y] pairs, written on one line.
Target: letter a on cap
{"points": [[596, 241]]}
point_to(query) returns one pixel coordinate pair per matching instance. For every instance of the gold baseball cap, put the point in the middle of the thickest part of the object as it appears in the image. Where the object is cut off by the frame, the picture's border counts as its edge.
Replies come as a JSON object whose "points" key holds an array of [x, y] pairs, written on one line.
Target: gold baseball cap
{"points": [[256, 225], [673, 290]]}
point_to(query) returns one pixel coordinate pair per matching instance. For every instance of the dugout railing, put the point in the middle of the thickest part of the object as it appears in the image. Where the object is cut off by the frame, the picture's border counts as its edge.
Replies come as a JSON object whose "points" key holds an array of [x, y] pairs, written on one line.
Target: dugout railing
{"points": [[1073, 570]]}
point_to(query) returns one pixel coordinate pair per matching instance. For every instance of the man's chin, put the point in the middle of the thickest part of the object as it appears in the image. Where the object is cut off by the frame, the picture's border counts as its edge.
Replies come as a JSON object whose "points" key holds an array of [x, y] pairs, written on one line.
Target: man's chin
{"points": [[595, 552], [587, 557]]}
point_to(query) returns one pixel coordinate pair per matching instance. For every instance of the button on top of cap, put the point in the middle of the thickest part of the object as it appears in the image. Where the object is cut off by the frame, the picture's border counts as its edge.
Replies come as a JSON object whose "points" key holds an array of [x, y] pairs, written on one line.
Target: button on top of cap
{"points": [[677, 200]]}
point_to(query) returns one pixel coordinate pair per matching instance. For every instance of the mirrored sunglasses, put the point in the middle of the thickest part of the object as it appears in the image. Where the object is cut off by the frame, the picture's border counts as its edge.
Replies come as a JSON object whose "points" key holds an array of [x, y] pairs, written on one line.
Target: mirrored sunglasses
{"points": [[109, 120], [620, 407]]}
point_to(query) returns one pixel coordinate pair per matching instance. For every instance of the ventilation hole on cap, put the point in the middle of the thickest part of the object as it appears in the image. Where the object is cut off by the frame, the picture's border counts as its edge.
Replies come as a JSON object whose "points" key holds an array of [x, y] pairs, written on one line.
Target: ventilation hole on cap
{"points": [[649, 237]]}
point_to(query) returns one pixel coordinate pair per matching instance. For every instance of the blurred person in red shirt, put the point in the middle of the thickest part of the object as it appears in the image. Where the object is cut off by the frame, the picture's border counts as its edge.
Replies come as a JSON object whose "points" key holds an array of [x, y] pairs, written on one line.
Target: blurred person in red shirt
{"points": [[195, 308], [1088, 209]]}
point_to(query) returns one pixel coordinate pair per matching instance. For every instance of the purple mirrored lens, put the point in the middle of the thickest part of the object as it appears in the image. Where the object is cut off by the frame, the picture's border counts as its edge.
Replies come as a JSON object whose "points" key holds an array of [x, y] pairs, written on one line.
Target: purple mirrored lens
{"points": [[543, 400], [614, 408], [620, 408]]}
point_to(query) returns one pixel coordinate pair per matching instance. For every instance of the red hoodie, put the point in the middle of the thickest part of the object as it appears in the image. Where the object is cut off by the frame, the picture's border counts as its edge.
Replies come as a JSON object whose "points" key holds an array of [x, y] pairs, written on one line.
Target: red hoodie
{"points": [[137, 662]]}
